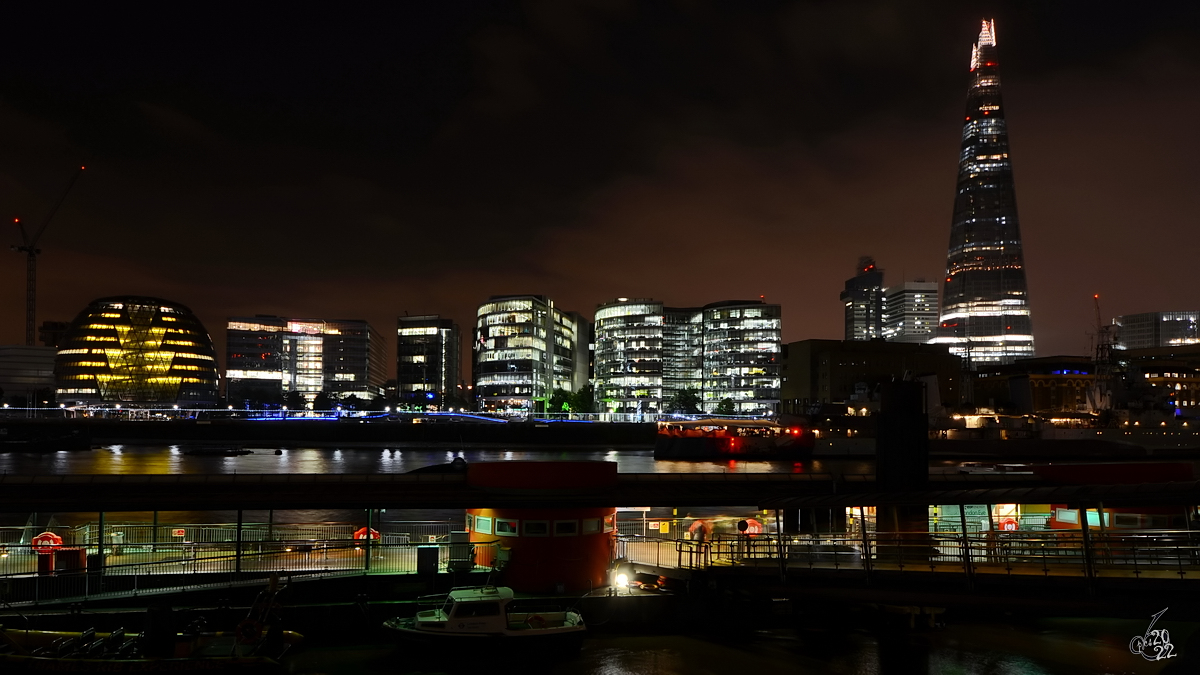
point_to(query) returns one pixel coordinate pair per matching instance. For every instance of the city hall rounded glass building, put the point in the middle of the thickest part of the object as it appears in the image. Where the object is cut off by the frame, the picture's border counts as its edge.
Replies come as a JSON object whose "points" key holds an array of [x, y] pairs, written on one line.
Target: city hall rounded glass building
{"points": [[139, 351]]}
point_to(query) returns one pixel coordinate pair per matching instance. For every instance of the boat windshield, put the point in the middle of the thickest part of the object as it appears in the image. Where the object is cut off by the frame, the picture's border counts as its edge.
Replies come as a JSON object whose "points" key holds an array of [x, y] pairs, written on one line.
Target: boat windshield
{"points": [[469, 609]]}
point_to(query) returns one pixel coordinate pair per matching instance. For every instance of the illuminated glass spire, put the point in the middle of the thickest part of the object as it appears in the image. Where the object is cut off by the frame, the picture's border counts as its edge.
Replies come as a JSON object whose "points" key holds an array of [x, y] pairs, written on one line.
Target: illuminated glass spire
{"points": [[985, 304]]}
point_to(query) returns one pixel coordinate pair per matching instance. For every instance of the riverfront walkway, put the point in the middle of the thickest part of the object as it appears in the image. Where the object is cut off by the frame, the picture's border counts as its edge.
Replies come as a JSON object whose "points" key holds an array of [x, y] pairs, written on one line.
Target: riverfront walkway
{"points": [[128, 570]]}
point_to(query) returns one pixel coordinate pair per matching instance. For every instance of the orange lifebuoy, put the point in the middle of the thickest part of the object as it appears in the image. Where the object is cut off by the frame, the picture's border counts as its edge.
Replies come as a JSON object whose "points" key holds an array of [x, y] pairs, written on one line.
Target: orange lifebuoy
{"points": [[249, 632], [535, 621]]}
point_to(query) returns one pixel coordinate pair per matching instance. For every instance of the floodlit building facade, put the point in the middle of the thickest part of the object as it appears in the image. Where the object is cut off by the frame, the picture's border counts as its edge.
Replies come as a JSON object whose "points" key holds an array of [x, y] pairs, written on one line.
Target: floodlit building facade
{"points": [[524, 348], [863, 298], [1157, 329], [136, 351], [427, 360], [985, 315], [268, 357], [646, 353], [910, 312]]}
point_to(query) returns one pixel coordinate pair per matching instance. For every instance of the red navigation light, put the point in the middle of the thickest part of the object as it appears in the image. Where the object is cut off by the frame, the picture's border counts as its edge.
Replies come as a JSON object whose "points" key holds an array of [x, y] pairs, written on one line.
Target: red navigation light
{"points": [[949, 279], [82, 168], [990, 63], [968, 119], [16, 220]]}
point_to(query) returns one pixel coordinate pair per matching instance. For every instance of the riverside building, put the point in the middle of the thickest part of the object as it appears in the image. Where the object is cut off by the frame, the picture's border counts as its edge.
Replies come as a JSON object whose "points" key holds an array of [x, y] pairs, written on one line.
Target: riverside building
{"points": [[910, 311], [138, 352], [524, 348], [268, 357], [427, 360], [1157, 329], [647, 353], [863, 298], [985, 305]]}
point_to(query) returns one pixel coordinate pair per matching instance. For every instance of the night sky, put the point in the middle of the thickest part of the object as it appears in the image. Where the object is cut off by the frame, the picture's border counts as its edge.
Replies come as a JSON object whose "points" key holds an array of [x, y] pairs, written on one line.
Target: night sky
{"points": [[419, 157]]}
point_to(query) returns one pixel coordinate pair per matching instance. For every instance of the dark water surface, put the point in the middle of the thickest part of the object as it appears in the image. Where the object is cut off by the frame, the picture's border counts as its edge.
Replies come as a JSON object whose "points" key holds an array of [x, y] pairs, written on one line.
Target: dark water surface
{"points": [[1066, 647], [171, 459]]}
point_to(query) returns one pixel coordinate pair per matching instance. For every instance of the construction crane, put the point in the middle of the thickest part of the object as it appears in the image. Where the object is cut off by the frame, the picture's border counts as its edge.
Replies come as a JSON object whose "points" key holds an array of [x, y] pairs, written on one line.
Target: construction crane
{"points": [[29, 248], [1100, 395]]}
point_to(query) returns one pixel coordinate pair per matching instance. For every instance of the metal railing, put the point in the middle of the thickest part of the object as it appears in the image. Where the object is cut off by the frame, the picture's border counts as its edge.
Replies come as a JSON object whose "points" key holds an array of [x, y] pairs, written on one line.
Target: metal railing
{"points": [[29, 577], [1134, 553]]}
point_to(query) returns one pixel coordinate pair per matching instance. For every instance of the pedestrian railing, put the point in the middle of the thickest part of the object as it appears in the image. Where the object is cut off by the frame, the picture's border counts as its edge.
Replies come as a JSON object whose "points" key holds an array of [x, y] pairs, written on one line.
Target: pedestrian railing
{"points": [[30, 577], [1141, 553]]}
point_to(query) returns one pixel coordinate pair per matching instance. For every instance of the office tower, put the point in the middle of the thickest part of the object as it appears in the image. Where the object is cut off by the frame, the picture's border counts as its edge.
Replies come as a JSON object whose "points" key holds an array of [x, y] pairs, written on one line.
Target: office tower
{"points": [[136, 351], [647, 353], [427, 360], [863, 298], [910, 311], [743, 349], [524, 349], [629, 355], [268, 357], [985, 305], [1157, 329]]}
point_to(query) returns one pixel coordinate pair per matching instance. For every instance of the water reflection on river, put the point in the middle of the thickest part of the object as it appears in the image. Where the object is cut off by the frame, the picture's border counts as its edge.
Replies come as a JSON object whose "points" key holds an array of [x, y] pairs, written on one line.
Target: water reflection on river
{"points": [[171, 459]]}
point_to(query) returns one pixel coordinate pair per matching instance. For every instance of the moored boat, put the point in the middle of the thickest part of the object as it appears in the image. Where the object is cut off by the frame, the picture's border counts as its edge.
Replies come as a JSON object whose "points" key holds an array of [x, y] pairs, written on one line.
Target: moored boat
{"points": [[40, 651], [716, 438], [255, 646], [475, 614]]}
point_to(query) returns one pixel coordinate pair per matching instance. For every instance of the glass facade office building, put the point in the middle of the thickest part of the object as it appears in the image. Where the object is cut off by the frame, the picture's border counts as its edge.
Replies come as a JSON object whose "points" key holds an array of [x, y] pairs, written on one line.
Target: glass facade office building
{"points": [[910, 312], [523, 349], [985, 305], [270, 357], [646, 353], [1157, 329], [427, 360], [136, 351], [863, 298]]}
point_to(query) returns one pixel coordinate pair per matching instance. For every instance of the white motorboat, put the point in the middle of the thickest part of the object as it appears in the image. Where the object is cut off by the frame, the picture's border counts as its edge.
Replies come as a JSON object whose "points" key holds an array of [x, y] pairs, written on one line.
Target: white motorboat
{"points": [[488, 613]]}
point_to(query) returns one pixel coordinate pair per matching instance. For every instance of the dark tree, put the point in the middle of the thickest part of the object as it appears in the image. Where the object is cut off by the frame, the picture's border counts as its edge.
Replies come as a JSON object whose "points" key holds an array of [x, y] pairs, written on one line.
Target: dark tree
{"points": [[294, 400], [324, 401], [685, 402], [584, 400], [560, 401], [726, 407]]}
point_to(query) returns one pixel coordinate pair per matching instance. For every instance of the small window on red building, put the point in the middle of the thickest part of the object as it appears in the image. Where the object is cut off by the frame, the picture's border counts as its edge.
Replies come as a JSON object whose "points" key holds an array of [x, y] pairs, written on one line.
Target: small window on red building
{"points": [[566, 528], [592, 525], [506, 527], [610, 522], [537, 528], [483, 525]]}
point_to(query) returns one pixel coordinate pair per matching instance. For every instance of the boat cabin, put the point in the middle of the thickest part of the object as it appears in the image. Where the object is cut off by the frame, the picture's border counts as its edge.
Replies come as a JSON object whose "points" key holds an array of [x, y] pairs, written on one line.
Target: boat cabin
{"points": [[485, 609]]}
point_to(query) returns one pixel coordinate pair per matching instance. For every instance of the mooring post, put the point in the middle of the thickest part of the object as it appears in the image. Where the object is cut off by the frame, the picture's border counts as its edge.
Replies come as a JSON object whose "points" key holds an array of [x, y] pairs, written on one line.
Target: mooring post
{"points": [[779, 546], [1085, 536], [237, 551], [866, 552], [968, 568], [367, 545]]}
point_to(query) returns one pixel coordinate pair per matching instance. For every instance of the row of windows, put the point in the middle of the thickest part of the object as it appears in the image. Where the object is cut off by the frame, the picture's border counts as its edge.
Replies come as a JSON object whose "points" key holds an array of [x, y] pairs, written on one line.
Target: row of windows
{"points": [[512, 527]]}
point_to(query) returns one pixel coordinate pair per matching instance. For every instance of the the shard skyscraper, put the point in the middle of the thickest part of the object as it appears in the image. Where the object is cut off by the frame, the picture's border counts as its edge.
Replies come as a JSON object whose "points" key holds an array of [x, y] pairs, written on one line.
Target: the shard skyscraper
{"points": [[985, 303]]}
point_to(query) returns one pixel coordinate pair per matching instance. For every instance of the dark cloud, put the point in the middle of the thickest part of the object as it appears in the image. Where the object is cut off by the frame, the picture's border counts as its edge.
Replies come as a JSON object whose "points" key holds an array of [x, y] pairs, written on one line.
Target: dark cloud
{"points": [[423, 156]]}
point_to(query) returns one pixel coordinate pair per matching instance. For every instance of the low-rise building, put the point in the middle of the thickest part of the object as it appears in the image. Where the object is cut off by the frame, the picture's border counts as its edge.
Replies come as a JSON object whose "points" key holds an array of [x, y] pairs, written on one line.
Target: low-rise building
{"points": [[269, 357]]}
